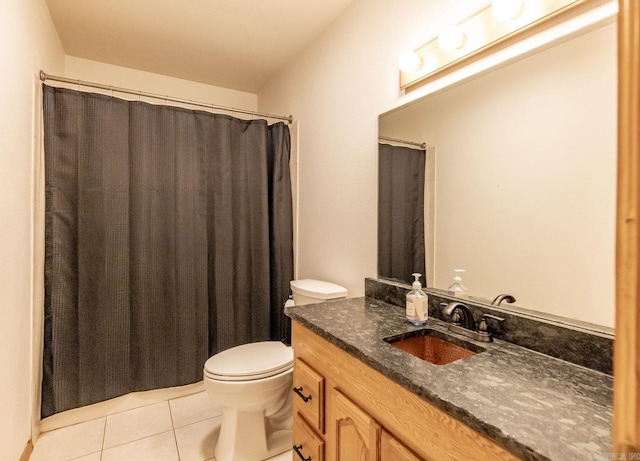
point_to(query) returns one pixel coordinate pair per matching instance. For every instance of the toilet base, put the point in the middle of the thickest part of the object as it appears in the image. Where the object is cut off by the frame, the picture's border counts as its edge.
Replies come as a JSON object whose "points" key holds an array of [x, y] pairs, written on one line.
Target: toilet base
{"points": [[243, 437]]}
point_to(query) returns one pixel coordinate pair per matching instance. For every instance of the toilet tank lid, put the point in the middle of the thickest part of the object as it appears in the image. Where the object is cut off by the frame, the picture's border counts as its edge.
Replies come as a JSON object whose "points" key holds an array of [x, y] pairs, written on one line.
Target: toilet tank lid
{"points": [[318, 289]]}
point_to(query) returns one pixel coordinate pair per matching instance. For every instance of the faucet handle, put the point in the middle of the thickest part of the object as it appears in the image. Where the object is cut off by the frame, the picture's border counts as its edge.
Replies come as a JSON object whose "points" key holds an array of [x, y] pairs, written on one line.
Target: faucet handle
{"points": [[494, 317], [482, 327]]}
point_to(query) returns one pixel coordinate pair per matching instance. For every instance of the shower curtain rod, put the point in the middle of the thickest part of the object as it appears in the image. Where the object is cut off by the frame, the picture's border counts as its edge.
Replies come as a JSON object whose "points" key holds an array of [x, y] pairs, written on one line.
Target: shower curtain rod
{"points": [[422, 145], [44, 77]]}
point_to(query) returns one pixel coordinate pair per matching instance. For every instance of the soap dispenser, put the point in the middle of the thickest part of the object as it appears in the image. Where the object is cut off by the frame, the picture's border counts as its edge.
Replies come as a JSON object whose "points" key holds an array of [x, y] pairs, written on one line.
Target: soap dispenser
{"points": [[457, 289], [417, 303]]}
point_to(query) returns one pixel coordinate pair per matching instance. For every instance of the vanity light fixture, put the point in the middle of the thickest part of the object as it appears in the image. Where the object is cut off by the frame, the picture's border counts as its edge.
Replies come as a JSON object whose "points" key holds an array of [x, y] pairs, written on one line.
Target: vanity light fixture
{"points": [[430, 63], [506, 10], [409, 61], [479, 32], [451, 38]]}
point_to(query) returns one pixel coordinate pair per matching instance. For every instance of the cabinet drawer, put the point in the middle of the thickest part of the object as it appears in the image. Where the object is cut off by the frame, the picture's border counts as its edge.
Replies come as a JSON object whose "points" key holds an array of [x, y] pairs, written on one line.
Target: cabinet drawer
{"points": [[306, 443], [308, 387]]}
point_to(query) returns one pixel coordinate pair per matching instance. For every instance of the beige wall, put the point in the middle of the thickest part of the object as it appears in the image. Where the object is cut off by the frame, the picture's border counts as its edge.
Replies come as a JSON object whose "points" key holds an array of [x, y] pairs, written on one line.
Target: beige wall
{"points": [[336, 89], [28, 42]]}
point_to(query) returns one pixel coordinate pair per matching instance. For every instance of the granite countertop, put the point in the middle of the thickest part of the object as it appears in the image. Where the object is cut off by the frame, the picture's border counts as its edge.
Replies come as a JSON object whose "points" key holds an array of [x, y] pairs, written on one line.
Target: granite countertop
{"points": [[536, 406]]}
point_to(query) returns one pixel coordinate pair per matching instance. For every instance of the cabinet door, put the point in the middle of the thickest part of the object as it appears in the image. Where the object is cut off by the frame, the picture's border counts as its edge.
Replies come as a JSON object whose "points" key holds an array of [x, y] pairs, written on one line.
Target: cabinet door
{"points": [[391, 449], [355, 434]]}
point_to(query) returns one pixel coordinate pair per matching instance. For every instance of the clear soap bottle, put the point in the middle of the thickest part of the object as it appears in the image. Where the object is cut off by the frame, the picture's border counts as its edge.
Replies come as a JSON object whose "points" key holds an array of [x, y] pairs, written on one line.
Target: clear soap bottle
{"points": [[457, 289], [417, 303]]}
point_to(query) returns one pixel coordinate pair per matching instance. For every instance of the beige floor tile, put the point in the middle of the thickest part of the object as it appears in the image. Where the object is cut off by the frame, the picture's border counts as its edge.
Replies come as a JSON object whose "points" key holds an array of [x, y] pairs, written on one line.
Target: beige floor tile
{"points": [[92, 457], [142, 434], [70, 442], [192, 409], [159, 447], [196, 442], [286, 456], [138, 423]]}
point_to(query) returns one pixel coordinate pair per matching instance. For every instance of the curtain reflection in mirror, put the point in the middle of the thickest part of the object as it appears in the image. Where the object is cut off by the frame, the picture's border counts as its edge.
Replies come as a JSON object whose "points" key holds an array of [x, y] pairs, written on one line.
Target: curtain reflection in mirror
{"points": [[401, 249]]}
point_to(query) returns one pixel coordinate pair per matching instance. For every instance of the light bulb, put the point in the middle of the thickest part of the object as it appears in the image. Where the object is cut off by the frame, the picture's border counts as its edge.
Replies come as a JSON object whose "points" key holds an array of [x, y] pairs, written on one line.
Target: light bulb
{"points": [[430, 63], [451, 38], [409, 61], [505, 10]]}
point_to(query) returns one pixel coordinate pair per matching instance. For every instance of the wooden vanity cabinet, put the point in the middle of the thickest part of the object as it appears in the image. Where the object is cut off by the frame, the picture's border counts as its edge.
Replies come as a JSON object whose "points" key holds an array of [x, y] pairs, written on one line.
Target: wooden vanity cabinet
{"points": [[308, 412], [393, 450], [346, 411], [308, 387], [306, 442]]}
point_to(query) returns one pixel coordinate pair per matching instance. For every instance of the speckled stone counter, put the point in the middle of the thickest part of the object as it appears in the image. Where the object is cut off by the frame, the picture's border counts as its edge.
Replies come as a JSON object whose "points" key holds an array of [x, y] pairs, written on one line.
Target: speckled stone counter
{"points": [[536, 406]]}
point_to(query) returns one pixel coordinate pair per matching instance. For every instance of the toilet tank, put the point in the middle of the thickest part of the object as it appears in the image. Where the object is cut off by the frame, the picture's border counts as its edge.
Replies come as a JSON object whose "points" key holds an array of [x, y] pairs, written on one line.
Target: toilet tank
{"points": [[309, 291]]}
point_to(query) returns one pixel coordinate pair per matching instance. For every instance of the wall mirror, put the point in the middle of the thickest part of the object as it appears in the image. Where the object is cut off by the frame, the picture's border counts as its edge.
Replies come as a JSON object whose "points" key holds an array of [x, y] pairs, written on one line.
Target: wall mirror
{"points": [[523, 178]]}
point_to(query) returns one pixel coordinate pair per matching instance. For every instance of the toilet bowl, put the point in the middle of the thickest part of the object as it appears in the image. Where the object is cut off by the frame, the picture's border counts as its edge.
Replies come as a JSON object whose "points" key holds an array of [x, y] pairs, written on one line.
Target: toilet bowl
{"points": [[252, 384]]}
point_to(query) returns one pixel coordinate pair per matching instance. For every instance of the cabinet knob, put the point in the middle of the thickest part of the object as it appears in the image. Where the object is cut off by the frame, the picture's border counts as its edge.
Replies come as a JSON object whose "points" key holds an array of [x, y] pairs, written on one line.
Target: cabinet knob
{"points": [[298, 390], [298, 449]]}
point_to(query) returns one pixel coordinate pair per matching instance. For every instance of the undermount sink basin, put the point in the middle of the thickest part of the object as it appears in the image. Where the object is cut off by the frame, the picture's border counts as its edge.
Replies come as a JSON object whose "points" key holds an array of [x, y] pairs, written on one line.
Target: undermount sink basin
{"points": [[433, 346]]}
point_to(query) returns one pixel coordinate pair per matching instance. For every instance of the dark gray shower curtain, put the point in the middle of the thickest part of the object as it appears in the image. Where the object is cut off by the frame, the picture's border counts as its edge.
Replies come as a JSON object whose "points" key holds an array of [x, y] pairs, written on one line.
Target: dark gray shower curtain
{"points": [[401, 249], [168, 238]]}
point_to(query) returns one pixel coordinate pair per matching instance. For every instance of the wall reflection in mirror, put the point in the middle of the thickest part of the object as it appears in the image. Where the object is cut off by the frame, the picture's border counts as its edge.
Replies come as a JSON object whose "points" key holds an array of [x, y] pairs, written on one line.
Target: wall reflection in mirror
{"points": [[523, 175]]}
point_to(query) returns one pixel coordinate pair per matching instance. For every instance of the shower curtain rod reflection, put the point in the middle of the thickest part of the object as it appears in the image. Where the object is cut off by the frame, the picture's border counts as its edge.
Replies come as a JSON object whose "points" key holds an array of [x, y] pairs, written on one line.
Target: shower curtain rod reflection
{"points": [[142, 94], [421, 145]]}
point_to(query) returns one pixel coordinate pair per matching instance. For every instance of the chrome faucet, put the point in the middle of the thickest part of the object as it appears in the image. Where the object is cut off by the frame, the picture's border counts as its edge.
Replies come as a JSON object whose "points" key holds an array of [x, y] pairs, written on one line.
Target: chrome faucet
{"points": [[503, 297]]}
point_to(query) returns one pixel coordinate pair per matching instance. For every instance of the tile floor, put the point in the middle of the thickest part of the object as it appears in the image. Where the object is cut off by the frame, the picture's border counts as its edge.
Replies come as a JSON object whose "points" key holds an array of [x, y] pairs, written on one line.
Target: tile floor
{"points": [[182, 429]]}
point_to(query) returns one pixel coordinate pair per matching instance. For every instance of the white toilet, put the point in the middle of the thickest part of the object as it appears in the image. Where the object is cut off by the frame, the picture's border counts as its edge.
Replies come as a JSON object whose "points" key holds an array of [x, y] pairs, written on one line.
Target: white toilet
{"points": [[252, 384]]}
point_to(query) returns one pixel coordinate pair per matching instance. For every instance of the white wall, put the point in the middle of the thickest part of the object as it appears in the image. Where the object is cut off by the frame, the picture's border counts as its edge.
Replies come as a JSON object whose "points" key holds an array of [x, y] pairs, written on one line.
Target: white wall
{"points": [[28, 42], [336, 89], [107, 74]]}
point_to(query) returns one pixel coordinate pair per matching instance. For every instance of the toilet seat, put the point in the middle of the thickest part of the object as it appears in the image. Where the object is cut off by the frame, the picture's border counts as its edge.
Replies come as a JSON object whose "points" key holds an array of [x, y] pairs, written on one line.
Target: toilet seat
{"points": [[249, 362]]}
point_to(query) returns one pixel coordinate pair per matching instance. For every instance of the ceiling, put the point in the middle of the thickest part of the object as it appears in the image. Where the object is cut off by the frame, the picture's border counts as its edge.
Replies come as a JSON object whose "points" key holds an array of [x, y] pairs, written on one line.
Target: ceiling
{"points": [[237, 44]]}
